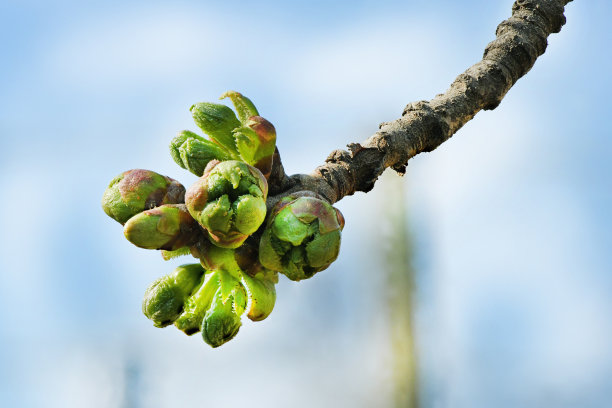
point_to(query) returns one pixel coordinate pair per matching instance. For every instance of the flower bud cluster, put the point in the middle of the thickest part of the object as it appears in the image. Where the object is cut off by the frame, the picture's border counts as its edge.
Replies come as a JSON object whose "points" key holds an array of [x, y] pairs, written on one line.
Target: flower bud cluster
{"points": [[221, 221]]}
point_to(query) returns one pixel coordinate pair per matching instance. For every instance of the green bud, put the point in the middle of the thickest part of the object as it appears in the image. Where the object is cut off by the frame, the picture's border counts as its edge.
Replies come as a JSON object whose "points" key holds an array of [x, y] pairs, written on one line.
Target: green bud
{"points": [[190, 321], [222, 321], [261, 292], [193, 152], [169, 227], [134, 191], [243, 105], [165, 298], [302, 237], [217, 121], [229, 200], [256, 141], [180, 138]]}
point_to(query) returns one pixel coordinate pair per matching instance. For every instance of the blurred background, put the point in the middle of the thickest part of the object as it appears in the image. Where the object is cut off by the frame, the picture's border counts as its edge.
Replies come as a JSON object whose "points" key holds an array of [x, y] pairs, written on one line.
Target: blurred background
{"points": [[482, 278]]}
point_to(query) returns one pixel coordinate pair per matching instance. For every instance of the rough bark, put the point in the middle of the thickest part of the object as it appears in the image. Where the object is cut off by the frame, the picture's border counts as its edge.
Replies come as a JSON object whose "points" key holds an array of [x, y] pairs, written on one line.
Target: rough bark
{"points": [[424, 125]]}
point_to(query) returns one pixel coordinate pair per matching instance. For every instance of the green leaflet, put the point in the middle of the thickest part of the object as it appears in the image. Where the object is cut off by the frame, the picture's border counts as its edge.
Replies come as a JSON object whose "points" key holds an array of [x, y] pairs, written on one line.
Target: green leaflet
{"points": [[164, 299], [195, 307], [262, 296], [217, 121], [243, 105], [167, 255]]}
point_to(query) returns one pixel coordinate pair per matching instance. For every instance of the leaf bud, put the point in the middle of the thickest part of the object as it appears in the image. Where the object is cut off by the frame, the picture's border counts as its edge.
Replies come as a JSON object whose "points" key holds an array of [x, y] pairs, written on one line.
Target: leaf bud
{"points": [[302, 236], [190, 320], [192, 152], [256, 141], [164, 299], [168, 227], [229, 200], [261, 292], [217, 121], [222, 321], [134, 191]]}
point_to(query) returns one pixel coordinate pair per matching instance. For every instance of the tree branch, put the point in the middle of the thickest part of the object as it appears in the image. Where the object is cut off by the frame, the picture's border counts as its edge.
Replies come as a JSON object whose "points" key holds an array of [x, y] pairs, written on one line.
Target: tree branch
{"points": [[425, 125]]}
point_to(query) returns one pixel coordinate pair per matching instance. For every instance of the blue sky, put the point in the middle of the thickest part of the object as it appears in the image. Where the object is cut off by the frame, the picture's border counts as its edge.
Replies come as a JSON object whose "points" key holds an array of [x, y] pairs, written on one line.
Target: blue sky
{"points": [[510, 218]]}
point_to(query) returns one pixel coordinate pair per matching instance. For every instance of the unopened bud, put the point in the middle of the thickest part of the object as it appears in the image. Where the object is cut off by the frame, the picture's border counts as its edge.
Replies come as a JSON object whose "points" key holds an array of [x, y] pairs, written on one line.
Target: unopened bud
{"points": [[222, 321], [164, 299], [138, 190], [167, 227], [193, 152], [217, 121], [256, 141], [229, 200], [261, 292], [302, 237]]}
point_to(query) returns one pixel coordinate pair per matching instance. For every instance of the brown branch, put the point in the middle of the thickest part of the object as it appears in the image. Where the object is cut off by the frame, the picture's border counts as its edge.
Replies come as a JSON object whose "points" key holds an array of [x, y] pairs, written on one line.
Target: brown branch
{"points": [[425, 125]]}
